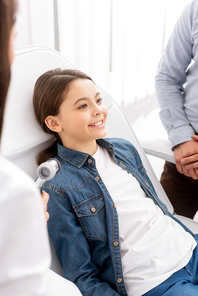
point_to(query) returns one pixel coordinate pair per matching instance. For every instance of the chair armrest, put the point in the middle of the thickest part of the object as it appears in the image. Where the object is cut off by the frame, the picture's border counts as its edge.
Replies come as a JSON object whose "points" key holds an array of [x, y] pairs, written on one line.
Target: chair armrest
{"points": [[156, 146]]}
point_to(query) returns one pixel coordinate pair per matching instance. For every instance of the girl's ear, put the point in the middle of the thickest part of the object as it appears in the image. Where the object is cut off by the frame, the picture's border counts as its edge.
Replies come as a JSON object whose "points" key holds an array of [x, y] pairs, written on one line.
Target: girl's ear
{"points": [[53, 124]]}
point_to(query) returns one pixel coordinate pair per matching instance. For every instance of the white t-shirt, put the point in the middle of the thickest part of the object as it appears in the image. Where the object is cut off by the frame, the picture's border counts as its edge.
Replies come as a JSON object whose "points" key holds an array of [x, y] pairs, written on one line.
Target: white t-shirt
{"points": [[24, 247], [153, 246]]}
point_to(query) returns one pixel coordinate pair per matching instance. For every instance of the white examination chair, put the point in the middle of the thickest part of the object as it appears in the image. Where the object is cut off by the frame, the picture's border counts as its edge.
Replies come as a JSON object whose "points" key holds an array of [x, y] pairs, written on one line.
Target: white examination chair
{"points": [[21, 143]]}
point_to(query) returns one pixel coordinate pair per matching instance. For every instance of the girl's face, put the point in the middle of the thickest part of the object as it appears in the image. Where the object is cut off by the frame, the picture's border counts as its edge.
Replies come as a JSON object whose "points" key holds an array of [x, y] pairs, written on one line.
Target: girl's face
{"points": [[82, 117]]}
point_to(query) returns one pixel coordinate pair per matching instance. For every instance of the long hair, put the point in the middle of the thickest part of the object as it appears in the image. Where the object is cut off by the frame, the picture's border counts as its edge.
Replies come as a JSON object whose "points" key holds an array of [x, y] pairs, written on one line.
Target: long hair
{"points": [[7, 19], [49, 93]]}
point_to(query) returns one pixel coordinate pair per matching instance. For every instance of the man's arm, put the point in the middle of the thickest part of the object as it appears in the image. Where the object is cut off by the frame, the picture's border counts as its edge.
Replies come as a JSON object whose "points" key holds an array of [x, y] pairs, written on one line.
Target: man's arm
{"points": [[170, 79], [171, 76]]}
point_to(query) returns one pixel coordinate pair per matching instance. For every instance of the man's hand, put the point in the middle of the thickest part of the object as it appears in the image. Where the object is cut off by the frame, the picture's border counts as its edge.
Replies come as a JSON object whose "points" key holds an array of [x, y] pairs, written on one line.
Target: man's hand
{"points": [[45, 197], [186, 158]]}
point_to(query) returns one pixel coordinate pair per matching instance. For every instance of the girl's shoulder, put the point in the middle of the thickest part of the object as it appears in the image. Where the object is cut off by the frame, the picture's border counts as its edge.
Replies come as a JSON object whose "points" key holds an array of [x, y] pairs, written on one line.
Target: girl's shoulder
{"points": [[125, 149], [122, 144]]}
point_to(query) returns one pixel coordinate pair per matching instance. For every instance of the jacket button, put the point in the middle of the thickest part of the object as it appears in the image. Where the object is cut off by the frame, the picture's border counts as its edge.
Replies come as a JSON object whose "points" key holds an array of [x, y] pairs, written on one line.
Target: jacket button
{"points": [[93, 209], [89, 160], [119, 280], [115, 243], [97, 178], [114, 206], [147, 184]]}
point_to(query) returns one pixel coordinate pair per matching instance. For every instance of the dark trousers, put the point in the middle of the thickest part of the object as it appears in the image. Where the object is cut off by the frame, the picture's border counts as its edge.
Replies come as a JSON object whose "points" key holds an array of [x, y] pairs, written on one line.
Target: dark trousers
{"points": [[181, 190]]}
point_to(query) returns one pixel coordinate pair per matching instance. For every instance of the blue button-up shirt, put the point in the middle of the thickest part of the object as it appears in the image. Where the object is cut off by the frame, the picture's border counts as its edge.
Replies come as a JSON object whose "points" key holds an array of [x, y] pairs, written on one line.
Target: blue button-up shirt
{"points": [[83, 220], [177, 78]]}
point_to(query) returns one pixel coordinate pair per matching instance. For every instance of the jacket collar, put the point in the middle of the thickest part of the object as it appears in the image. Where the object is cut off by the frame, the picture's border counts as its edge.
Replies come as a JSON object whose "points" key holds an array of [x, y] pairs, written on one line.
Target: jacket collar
{"points": [[78, 158]]}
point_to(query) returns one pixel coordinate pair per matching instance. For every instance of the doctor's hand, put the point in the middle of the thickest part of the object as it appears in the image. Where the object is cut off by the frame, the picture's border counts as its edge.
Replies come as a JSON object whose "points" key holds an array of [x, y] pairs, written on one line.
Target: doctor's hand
{"points": [[186, 158], [45, 197]]}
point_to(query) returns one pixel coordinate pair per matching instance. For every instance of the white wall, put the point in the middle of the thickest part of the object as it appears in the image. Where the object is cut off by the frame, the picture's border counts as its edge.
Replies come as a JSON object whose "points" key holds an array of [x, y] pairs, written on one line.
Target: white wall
{"points": [[117, 42]]}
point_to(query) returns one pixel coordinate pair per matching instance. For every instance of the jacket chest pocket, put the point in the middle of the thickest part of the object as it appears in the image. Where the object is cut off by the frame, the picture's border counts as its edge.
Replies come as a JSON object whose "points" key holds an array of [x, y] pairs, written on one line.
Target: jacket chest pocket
{"points": [[91, 215]]}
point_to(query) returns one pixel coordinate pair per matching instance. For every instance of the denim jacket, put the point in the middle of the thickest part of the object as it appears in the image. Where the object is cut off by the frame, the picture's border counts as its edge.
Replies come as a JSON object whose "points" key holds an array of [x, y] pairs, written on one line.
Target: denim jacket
{"points": [[83, 222]]}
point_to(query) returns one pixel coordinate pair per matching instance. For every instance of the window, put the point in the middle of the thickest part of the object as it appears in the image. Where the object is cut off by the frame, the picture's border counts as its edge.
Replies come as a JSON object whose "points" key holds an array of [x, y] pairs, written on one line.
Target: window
{"points": [[117, 42]]}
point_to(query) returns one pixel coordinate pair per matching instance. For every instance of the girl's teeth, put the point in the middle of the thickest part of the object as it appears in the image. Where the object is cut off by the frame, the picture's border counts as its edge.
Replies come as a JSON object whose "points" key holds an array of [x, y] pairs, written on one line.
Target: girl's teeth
{"points": [[98, 123]]}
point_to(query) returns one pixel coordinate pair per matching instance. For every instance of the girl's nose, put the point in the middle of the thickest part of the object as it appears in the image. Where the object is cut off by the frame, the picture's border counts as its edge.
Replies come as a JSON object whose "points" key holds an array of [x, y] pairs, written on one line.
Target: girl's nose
{"points": [[97, 110]]}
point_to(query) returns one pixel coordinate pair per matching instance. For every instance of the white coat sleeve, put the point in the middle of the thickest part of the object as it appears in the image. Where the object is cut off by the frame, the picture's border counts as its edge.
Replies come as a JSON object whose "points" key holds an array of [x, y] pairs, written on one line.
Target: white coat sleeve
{"points": [[24, 247]]}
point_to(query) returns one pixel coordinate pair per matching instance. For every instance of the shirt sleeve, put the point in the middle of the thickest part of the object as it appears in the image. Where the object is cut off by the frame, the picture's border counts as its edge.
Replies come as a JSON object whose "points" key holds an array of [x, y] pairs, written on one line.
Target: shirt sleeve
{"points": [[24, 246], [171, 77], [72, 248]]}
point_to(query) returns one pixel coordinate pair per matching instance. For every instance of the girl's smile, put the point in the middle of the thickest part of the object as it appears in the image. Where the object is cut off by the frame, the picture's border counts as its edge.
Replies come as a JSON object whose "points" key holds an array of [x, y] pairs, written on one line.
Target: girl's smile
{"points": [[98, 124]]}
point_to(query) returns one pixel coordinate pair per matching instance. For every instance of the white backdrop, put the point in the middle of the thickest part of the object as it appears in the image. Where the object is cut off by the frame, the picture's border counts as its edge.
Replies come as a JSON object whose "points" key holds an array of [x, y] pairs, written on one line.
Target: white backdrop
{"points": [[117, 42]]}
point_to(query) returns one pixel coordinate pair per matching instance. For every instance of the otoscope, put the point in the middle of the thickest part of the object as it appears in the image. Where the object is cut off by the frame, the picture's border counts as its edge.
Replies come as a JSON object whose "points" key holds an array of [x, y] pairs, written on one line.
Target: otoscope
{"points": [[46, 171]]}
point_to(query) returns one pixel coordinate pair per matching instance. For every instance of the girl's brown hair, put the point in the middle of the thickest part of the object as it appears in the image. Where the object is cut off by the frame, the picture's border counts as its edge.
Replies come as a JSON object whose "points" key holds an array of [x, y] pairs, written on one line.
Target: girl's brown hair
{"points": [[7, 19], [49, 93]]}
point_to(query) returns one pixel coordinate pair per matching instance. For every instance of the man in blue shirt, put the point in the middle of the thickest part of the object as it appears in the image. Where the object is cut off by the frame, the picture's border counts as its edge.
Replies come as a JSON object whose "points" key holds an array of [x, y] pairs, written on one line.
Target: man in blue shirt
{"points": [[177, 93]]}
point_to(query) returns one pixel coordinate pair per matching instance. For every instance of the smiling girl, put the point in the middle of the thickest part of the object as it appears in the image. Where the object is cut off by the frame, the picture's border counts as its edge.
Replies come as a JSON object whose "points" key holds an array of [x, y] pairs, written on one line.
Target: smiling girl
{"points": [[81, 119], [112, 234]]}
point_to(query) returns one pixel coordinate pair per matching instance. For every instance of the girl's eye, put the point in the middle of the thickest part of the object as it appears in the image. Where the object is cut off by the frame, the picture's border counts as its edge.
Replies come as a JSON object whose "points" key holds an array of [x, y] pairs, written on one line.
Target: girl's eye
{"points": [[83, 106], [99, 100]]}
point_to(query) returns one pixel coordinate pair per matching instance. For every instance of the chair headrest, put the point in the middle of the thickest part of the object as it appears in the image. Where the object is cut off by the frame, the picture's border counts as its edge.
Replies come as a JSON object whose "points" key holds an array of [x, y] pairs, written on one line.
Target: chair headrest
{"points": [[21, 131]]}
